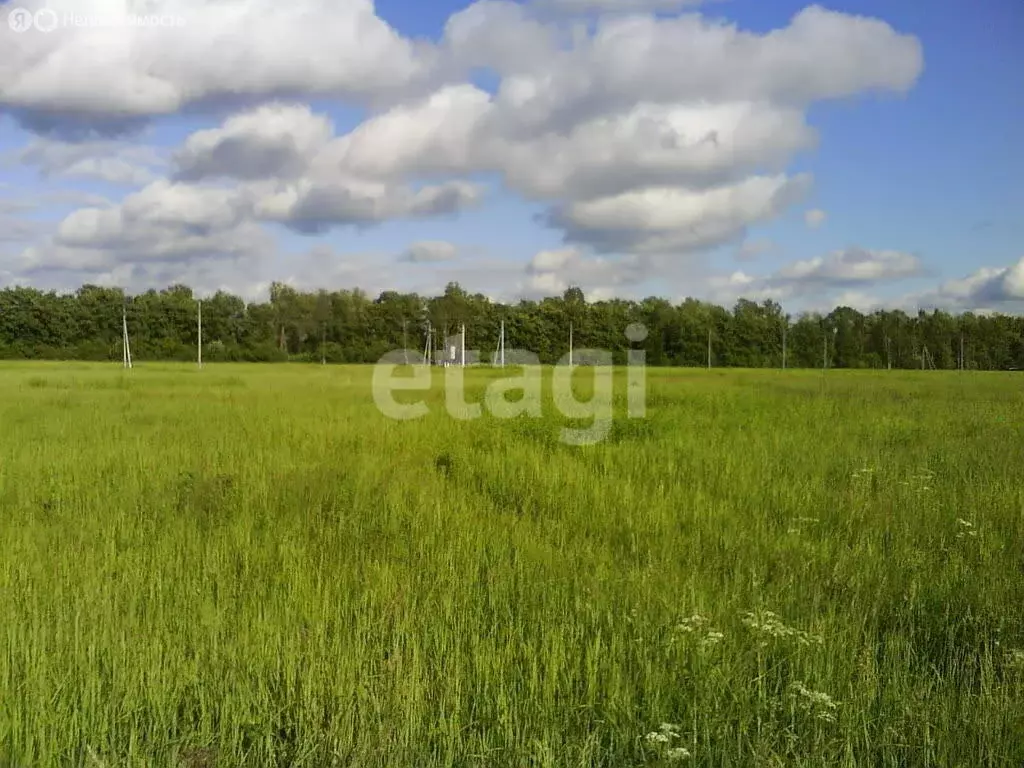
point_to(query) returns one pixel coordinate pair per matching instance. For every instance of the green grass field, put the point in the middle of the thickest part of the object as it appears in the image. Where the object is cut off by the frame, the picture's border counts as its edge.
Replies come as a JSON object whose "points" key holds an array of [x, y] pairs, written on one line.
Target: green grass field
{"points": [[250, 565]]}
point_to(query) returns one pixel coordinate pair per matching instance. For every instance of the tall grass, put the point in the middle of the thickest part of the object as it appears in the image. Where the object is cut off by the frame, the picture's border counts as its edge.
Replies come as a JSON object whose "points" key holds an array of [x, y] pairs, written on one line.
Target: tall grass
{"points": [[252, 566]]}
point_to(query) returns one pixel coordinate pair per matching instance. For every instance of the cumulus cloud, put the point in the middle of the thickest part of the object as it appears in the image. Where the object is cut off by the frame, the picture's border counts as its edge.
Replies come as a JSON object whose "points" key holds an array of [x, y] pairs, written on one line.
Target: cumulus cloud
{"points": [[313, 207], [459, 129], [108, 161], [273, 141], [552, 271], [853, 266], [259, 49], [815, 217], [847, 271], [859, 300], [635, 59], [727, 289], [105, 75], [984, 289], [616, 6], [163, 222], [437, 134], [608, 124], [695, 145], [677, 220], [430, 252], [168, 221]]}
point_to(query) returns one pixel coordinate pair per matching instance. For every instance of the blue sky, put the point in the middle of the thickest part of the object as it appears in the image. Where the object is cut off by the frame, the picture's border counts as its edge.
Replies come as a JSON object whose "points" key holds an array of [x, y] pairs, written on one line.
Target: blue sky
{"points": [[916, 179]]}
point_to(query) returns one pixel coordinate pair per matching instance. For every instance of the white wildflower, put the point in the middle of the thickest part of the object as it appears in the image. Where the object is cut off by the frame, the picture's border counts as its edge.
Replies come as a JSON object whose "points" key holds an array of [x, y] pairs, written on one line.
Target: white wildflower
{"points": [[770, 625], [815, 703], [966, 528], [700, 625], [660, 739], [692, 624], [711, 639]]}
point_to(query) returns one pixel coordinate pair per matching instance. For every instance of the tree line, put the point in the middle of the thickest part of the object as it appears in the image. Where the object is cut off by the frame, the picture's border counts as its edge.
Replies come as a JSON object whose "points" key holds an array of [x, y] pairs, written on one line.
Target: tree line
{"points": [[348, 326]]}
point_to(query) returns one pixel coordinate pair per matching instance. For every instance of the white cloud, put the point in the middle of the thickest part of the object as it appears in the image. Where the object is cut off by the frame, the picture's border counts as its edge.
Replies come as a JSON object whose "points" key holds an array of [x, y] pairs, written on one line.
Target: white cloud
{"points": [[815, 217], [853, 265], [440, 133], [728, 289], [862, 302], [459, 130], [636, 59], [553, 260], [273, 141], [109, 161], [313, 206], [610, 123], [552, 78], [551, 272], [675, 220], [985, 288], [244, 48], [163, 222], [693, 145], [430, 251], [616, 6], [821, 278]]}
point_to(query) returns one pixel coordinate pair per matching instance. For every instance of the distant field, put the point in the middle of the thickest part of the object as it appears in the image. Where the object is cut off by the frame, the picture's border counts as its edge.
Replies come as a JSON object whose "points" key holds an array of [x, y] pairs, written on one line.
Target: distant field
{"points": [[250, 565]]}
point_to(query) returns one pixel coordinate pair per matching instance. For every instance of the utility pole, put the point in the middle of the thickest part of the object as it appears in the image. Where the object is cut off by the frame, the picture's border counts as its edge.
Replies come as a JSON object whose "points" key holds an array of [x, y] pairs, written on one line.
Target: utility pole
{"points": [[127, 349], [824, 354], [709, 349]]}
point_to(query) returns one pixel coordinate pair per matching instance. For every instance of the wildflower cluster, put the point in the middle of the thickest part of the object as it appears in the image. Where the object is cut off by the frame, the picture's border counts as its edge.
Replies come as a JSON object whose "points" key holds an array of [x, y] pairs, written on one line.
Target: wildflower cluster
{"points": [[700, 626], [815, 703], [770, 626], [966, 528], [661, 741]]}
